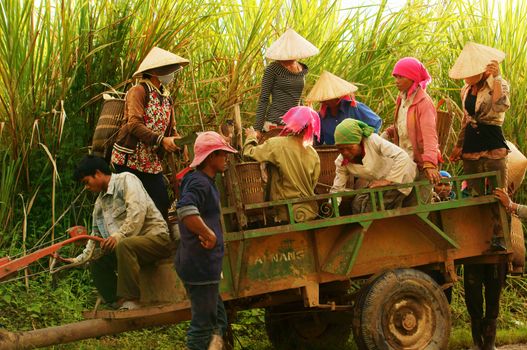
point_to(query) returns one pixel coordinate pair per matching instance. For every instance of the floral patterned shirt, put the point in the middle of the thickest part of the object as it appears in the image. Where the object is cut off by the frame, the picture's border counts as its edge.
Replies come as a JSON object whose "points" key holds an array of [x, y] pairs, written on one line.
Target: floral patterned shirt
{"points": [[145, 158]]}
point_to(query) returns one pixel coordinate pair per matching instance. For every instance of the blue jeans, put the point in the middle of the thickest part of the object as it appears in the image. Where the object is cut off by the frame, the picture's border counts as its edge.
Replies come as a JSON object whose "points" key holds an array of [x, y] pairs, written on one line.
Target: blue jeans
{"points": [[208, 315]]}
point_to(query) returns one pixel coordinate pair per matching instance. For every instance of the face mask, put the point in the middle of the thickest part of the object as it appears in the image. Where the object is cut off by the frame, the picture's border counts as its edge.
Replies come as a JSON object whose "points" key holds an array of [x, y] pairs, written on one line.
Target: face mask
{"points": [[166, 79]]}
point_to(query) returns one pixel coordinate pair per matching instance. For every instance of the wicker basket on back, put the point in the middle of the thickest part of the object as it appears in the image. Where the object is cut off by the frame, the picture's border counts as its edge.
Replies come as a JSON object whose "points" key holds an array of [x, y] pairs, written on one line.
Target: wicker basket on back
{"points": [[108, 125], [327, 155], [444, 125], [244, 181], [250, 182]]}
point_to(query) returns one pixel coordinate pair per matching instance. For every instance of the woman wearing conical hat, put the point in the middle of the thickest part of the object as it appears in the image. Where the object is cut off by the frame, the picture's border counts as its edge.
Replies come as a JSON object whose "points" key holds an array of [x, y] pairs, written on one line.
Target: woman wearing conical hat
{"points": [[283, 79], [482, 147], [150, 127], [337, 102]]}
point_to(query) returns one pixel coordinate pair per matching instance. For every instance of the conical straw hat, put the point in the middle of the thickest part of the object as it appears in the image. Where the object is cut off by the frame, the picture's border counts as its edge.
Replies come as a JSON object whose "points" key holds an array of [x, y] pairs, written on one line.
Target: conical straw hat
{"points": [[473, 60], [290, 46], [516, 167], [329, 86], [158, 58]]}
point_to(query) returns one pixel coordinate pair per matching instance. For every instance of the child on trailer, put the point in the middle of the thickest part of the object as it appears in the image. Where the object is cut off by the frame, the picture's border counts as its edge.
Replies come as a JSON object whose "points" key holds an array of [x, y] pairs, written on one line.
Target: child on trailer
{"points": [[443, 190]]}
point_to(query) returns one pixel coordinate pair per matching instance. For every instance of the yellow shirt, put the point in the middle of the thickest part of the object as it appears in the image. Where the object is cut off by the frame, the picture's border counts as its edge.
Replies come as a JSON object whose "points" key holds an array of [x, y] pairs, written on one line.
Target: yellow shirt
{"points": [[294, 172]]}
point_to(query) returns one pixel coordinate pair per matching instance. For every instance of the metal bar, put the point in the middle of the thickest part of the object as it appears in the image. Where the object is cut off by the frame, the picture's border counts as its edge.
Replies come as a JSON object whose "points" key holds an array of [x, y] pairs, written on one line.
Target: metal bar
{"points": [[364, 217], [424, 217], [365, 224], [238, 268], [11, 266], [457, 186], [291, 213], [232, 178], [335, 204], [381, 200], [418, 194], [373, 201], [360, 191], [358, 238]]}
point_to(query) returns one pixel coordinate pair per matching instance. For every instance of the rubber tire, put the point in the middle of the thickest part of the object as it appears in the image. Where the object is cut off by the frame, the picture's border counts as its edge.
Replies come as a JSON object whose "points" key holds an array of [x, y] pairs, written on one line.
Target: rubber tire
{"points": [[376, 311], [284, 325]]}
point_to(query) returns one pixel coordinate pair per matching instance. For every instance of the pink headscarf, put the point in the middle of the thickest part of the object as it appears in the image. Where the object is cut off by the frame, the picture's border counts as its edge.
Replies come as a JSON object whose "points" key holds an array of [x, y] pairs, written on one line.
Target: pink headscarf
{"points": [[413, 69], [297, 119]]}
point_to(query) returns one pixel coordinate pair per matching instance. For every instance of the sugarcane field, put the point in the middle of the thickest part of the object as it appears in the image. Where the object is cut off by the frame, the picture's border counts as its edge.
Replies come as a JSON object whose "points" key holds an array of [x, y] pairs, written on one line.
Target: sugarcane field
{"points": [[257, 175]]}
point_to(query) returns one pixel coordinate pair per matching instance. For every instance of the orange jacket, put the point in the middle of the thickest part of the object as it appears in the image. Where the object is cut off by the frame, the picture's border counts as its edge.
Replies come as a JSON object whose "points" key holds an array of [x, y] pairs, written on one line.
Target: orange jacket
{"points": [[422, 131]]}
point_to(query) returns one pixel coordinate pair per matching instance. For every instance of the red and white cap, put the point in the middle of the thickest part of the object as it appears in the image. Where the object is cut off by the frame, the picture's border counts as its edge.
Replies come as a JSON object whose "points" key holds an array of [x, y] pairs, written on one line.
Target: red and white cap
{"points": [[206, 143]]}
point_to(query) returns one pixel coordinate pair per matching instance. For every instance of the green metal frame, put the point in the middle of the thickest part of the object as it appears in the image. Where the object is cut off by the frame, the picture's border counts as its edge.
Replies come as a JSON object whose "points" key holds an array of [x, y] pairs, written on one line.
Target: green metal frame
{"points": [[351, 245]]}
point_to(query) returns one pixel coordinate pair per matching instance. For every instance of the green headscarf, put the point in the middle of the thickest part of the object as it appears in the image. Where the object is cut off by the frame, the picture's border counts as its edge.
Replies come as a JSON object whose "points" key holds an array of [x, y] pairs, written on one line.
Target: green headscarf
{"points": [[351, 131]]}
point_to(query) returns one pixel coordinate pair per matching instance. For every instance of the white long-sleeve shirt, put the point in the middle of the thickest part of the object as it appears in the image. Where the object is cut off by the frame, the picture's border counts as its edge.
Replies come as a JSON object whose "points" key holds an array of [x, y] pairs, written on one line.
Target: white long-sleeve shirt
{"points": [[382, 161]]}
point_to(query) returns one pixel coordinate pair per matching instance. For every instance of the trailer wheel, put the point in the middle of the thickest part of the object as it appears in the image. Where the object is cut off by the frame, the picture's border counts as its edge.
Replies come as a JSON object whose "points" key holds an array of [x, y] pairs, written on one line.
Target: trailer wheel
{"points": [[289, 328], [401, 309]]}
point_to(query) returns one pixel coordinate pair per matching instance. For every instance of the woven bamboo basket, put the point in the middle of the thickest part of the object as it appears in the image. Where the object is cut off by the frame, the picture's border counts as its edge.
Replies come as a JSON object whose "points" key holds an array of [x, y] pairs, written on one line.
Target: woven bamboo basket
{"points": [[327, 157], [444, 125], [518, 245], [250, 182], [516, 167], [108, 126]]}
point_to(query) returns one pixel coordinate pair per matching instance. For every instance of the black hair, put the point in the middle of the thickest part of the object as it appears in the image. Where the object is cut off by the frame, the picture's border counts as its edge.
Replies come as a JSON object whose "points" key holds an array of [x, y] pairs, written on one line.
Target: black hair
{"points": [[89, 165]]}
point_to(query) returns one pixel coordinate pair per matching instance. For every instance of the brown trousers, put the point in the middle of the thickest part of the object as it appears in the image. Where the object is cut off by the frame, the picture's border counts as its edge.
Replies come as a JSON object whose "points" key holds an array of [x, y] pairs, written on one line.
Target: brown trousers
{"points": [[130, 254], [483, 165], [491, 276], [392, 199]]}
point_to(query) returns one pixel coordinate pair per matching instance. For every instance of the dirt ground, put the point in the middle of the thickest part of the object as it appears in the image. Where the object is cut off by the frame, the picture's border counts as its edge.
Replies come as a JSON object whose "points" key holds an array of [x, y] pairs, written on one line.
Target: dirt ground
{"points": [[513, 347]]}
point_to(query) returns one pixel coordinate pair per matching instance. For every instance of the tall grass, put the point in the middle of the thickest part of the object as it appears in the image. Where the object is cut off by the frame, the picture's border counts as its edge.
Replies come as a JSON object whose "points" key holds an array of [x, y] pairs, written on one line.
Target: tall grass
{"points": [[57, 57], [57, 53]]}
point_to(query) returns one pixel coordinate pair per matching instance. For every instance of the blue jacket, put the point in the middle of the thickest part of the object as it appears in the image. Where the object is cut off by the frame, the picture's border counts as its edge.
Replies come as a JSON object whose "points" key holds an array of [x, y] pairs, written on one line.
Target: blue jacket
{"points": [[195, 264], [346, 110]]}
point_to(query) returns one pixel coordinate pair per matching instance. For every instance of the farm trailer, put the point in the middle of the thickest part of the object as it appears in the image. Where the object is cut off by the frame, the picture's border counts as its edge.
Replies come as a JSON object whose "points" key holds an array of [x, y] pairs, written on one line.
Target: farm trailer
{"points": [[301, 272]]}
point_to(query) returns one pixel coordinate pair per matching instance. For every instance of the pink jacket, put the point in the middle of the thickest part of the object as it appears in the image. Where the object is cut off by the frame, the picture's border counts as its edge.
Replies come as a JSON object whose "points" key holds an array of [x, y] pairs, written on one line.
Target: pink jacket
{"points": [[422, 131]]}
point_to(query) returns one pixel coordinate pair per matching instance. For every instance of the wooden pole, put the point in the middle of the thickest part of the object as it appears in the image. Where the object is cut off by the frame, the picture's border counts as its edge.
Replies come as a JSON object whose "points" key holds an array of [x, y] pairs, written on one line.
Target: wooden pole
{"points": [[237, 142], [85, 329]]}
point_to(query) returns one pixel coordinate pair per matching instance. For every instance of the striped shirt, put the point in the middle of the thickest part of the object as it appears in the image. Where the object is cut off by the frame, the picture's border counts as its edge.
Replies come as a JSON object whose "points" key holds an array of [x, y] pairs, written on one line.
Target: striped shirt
{"points": [[281, 90]]}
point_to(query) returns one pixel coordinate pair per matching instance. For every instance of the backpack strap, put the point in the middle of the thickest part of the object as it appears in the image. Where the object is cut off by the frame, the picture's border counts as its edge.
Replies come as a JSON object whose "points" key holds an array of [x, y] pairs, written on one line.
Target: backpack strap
{"points": [[148, 90]]}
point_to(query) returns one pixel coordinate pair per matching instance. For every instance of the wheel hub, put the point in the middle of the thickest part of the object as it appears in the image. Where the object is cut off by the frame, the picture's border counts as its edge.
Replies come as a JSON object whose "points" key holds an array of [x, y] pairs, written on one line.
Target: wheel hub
{"points": [[409, 322]]}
